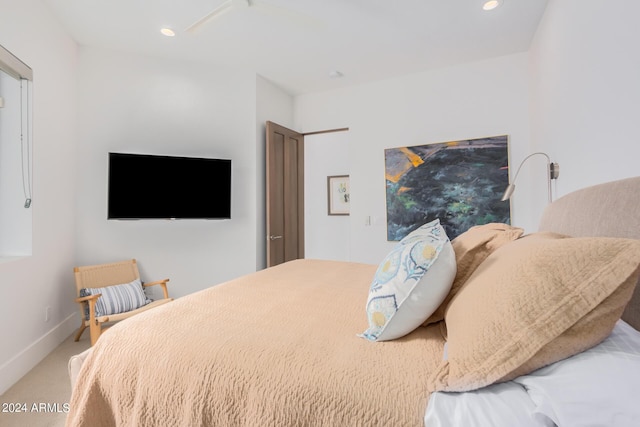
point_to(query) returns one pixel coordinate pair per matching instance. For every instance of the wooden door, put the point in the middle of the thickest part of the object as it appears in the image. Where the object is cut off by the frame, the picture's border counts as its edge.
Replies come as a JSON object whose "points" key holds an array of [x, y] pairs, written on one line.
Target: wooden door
{"points": [[285, 194]]}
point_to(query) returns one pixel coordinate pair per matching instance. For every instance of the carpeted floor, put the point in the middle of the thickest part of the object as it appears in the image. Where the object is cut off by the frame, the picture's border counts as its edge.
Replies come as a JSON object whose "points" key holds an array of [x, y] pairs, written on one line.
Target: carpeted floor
{"points": [[42, 394]]}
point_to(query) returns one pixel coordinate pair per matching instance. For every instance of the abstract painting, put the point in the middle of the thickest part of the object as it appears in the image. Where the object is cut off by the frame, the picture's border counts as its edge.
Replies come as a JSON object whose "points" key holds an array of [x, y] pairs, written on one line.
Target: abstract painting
{"points": [[459, 182]]}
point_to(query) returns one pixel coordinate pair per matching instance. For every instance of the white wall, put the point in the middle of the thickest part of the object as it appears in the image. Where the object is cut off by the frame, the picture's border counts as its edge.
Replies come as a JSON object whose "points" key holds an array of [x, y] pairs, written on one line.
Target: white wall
{"points": [[131, 103], [326, 236], [575, 95], [272, 104], [473, 100], [29, 285], [585, 90]]}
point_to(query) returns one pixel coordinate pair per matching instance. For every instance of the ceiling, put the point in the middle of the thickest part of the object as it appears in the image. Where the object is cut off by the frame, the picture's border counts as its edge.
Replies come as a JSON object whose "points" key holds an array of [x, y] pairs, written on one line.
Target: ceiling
{"points": [[296, 44]]}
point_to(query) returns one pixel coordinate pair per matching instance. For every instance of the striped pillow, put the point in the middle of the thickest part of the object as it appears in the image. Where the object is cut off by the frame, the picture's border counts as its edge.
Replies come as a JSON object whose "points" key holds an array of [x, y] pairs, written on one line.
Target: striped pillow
{"points": [[117, 298]]}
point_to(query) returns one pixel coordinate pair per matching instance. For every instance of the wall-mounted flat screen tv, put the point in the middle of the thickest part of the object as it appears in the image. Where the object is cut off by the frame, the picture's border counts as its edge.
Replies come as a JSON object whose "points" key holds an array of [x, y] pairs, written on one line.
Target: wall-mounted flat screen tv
{"points": [[142, 186]]}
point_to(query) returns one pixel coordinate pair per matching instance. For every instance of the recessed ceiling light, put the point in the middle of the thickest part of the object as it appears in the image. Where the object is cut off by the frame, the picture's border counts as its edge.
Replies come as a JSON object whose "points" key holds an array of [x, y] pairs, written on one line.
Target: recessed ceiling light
{"points": [[491, 4], [168, 32]]}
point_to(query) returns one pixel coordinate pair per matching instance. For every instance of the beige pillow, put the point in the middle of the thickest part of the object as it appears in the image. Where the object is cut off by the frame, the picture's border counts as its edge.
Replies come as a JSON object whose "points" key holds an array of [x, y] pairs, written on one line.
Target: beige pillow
{"points": [[537, 300], [471, 248]]}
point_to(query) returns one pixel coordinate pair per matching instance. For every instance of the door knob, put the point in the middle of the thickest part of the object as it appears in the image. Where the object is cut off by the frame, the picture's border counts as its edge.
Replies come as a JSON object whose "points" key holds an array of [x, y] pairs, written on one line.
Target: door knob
{"points": [[275, 237]]}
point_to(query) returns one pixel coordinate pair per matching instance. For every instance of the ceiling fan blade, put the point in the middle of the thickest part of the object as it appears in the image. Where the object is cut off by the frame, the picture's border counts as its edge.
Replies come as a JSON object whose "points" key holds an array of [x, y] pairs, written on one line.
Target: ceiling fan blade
{"points": [[224, 7]]}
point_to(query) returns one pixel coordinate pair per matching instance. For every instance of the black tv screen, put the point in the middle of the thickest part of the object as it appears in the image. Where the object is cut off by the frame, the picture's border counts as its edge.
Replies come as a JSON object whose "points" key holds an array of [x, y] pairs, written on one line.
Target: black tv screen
{"points": [[143, 186]]}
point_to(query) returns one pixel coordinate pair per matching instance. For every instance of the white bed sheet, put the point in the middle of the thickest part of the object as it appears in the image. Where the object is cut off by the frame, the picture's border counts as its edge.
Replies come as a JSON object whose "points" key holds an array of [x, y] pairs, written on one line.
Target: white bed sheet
{"points": [[595, 387], [598, 387], [498, 405]]}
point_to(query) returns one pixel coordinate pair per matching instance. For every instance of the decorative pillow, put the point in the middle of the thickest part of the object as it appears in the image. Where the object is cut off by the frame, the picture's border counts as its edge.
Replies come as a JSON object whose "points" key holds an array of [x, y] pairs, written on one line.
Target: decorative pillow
{"points": [[598, 387], [471, 248], [117, 298], [410, 283], [535, 301]]}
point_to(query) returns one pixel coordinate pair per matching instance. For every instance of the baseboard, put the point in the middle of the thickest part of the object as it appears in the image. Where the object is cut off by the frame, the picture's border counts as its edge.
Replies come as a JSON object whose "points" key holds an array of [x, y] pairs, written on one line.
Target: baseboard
{"points": [[23, 362]]}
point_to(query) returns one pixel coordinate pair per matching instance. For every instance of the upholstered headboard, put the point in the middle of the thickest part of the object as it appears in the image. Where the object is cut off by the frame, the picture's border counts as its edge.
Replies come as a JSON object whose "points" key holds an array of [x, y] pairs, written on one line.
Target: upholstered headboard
{"points": [[607, 210]]}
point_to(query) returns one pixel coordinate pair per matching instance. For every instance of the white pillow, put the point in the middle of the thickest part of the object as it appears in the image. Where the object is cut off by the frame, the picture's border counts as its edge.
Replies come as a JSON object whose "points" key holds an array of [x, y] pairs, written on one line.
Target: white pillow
{"points": [[598, 387], [410, 283], [498, 405]]}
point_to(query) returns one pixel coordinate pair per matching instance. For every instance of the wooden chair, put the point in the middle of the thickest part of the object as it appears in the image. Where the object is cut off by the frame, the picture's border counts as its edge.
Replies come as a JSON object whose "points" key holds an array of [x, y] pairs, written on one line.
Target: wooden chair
{"points": [[102, 275]]}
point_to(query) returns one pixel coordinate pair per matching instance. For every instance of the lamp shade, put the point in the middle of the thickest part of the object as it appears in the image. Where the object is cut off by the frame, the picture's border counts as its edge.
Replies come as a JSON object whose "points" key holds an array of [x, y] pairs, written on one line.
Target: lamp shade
{"points": [[508, 192]]}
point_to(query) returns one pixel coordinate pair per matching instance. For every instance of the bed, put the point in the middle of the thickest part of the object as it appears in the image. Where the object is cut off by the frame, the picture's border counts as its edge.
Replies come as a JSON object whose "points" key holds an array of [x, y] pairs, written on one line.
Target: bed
{"points": [[287, 346]]}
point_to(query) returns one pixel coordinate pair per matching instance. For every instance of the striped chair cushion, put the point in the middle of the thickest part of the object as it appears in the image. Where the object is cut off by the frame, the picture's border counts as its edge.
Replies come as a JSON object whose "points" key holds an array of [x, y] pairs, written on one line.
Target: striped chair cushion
{"points": [[117, 298]]}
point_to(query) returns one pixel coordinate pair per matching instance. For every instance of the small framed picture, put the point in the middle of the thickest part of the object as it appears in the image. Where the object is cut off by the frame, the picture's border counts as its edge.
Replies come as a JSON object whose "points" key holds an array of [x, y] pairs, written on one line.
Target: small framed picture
{"points": [[338, 194]]}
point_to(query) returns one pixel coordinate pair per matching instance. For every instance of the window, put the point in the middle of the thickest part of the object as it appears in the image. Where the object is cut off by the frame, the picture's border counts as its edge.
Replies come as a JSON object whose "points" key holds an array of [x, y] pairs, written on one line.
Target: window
{"points": [[15, 156]]}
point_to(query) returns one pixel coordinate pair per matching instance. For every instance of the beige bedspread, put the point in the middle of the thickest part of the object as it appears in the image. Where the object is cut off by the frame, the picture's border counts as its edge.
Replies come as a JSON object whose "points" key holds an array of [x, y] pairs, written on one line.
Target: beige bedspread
{"points": [[275, 348]]}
